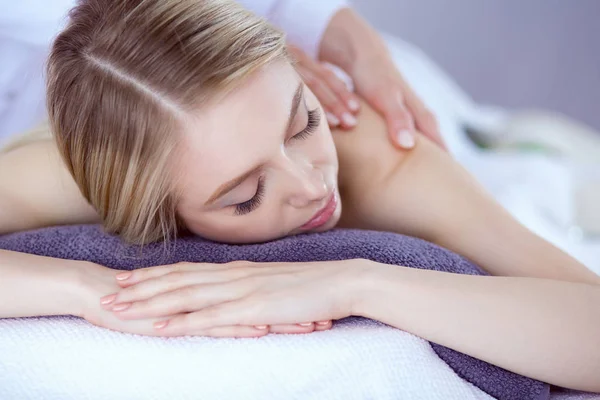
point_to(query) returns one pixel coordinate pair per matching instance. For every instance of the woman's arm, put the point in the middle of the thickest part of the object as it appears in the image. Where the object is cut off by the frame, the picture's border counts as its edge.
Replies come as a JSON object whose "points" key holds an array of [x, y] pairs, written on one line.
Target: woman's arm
{"points": [[36, 286], [425, 193], [545, 329], [541, 328], [33, 286]]}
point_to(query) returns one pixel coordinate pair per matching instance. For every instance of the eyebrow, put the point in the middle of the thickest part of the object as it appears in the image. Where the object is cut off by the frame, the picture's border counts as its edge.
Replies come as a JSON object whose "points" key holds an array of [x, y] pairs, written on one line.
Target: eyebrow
{"points": [[232, 184]]}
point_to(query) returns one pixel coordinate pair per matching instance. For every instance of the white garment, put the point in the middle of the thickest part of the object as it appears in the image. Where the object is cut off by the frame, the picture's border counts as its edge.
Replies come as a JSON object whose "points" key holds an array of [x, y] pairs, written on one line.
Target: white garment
{"points": [[304, 21], [27, 28]]}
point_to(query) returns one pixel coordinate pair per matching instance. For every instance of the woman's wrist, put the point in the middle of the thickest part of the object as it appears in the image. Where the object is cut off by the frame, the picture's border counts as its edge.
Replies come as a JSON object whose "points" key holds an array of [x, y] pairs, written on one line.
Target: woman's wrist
{"points": [[366, 287], [36, 286]]}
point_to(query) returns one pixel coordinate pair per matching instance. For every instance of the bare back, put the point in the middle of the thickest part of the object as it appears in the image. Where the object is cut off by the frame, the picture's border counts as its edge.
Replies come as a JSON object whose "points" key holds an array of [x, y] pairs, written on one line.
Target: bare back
{"points": [[36, 190]]}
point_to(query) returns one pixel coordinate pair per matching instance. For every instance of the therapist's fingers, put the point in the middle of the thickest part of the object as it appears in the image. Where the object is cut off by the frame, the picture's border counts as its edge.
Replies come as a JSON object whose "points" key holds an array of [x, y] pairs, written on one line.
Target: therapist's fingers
{"points": [[425, 120], [339, 102], [390, 102], [340, 89], [336, 113]]}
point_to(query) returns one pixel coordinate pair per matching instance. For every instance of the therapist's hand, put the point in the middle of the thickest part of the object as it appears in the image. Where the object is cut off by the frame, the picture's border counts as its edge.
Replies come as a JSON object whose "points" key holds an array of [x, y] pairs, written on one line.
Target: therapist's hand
{"points": [[339, 103], [380, 83], [351, 43]]}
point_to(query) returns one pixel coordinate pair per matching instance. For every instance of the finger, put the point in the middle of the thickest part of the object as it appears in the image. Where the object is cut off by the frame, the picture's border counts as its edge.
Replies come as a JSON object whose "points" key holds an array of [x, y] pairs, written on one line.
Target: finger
{"points": [[179, 279], [224, 314], [339, 88], [293, 328], [323, 325], [126, 279], [425, 120], [390, 103], [235, 331], [337, 113], [185, 299]]}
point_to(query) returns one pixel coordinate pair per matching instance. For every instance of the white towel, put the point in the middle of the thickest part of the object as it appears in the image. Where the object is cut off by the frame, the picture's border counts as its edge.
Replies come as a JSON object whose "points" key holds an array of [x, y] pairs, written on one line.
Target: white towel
{"points": [[68, 358]]}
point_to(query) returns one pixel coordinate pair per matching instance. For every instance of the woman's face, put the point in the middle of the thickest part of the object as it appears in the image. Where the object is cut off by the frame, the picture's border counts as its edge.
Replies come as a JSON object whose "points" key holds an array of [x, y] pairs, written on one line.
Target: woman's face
{"points": [[261, 164]]}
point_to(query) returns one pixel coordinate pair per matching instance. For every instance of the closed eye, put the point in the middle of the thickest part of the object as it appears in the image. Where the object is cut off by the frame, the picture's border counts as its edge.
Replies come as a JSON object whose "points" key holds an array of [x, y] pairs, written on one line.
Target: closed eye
{"points": [[314, 118], [252, 204]]}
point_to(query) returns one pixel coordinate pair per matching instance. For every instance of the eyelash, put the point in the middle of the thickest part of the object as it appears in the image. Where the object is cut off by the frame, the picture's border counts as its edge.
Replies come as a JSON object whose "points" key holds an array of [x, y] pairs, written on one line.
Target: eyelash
{"points": [[314, 118], [251, 205]]}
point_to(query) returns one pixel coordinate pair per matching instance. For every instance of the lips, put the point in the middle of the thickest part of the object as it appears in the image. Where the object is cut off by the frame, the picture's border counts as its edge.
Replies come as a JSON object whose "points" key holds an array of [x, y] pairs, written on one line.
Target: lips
{"points": [[323, 215]]}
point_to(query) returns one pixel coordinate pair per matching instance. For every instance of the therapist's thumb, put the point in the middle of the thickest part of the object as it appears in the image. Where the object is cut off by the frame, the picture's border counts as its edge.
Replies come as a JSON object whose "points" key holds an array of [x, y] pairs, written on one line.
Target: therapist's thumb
{"points": [[400, 123]]}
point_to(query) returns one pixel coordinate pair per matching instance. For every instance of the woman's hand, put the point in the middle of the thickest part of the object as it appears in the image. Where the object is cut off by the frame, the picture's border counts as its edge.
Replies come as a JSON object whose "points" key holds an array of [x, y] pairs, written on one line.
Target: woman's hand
{"points": [[213, 298], [97, 281], [339, 102]]}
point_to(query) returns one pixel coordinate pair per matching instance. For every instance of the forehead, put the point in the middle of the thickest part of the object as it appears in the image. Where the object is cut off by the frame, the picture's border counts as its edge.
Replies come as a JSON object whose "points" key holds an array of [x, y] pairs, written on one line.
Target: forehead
{"points": [[226, 139]]}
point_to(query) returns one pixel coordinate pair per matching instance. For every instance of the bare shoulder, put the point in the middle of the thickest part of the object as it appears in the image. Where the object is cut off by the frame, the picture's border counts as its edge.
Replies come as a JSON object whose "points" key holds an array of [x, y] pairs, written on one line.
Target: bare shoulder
{"points": [[36, 190], [406, 191], [367, 156]]}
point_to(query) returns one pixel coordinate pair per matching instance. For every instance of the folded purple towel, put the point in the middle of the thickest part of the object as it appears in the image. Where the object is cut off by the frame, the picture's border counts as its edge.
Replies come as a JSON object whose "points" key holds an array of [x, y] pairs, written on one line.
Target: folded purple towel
{"points": [[89, 243]]}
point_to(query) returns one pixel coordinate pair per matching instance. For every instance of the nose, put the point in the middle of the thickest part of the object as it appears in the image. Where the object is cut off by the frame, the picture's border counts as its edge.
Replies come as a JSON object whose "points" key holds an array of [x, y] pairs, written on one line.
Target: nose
{"points": [[306, 185]]}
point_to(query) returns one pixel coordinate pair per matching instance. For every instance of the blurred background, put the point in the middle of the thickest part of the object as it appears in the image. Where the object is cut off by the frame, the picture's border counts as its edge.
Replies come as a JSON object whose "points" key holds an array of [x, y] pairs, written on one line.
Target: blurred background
{"points": [[512, 53]]}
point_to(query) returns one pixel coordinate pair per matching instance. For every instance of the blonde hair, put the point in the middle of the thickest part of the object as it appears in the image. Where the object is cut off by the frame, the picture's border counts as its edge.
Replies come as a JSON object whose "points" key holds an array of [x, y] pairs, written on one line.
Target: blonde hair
{"points": [[120, 79]]}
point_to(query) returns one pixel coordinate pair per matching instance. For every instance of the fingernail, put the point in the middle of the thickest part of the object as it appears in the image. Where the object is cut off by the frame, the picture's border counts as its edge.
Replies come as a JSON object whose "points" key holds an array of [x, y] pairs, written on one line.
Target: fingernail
{"points": [[260, 327], [121, 307], [348, 119], [108, 299], [406, 139], [305, 324], [161, 324], [322, 322], [353, 105], [332, 119], [123, 276]]}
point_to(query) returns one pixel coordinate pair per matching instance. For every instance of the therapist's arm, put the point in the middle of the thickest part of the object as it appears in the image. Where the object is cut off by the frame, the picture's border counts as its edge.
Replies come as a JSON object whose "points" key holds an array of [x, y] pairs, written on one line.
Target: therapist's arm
{"points": [[425, 193]]}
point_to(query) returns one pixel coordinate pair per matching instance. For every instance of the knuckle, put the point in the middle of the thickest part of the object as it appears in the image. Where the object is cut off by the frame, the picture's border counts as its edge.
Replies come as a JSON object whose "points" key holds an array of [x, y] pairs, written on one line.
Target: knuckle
{"points": [[186, 292], [174, 276]]}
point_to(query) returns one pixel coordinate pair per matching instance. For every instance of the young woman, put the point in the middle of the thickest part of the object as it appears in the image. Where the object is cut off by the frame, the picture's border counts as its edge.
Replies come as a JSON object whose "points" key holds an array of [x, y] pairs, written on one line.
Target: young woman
{"points": [[173, 116]]}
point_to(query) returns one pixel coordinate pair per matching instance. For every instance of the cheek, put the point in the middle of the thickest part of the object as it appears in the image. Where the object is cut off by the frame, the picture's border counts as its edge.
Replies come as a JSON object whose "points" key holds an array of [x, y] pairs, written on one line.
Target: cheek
{"points": [[326, 146]]}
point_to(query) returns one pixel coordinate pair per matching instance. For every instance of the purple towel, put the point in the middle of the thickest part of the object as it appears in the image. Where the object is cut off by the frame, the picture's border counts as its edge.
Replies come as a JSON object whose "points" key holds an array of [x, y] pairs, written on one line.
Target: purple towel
{"points": [[89, 243]]}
